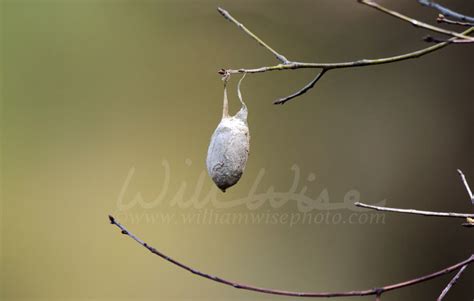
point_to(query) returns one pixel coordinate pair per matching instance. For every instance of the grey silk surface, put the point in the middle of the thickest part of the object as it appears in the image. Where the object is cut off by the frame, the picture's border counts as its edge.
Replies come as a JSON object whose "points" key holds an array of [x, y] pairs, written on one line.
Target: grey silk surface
{"points": [[229, 147]]}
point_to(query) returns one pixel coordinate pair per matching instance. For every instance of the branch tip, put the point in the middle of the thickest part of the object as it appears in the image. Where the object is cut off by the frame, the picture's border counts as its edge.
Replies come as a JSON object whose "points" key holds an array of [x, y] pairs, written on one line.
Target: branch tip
{"points": [[241, 26], [466, 185], [445, 11], [223, 12], [303, 90], [417, 23], [417, 212]]}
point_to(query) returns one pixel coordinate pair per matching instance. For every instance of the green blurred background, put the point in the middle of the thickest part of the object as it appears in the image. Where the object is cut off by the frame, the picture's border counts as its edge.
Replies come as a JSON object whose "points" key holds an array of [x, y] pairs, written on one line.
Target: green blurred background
{"points": [[94, 90]]}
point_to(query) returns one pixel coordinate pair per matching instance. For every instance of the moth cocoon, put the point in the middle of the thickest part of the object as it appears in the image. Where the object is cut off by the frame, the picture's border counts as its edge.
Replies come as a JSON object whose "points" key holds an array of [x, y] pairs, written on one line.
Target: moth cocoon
{"points": [[229, 148]]}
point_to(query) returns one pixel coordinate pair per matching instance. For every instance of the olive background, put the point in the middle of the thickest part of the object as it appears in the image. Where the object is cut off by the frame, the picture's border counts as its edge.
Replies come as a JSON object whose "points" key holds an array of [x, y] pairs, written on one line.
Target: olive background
{"points": [[95, 89]]}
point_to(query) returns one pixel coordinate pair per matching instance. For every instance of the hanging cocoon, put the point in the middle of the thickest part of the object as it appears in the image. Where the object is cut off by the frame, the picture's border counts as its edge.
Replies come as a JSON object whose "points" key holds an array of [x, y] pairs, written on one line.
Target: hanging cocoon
{"points": [[229, 148]]}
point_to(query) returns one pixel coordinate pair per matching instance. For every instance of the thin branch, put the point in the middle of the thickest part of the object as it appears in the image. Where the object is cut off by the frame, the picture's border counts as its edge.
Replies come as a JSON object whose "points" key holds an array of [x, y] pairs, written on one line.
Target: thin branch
{"points": [[351, 64], [442, 19], [468, 189], [291, 65], [305, 89], [451, 283], [414, 22], [461, 41], [226, 15], [446, 11], [469, 217], [374, 291], [417, 212]]}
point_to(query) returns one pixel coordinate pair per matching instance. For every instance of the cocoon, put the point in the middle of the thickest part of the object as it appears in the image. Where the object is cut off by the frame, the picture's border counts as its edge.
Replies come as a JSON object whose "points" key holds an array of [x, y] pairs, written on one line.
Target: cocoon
{"points": [[229, 148]]}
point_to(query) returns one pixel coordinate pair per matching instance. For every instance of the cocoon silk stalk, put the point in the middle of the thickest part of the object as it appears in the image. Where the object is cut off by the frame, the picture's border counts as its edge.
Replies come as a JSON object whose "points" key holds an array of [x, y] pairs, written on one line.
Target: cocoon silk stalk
{"points": [[229, 148]]}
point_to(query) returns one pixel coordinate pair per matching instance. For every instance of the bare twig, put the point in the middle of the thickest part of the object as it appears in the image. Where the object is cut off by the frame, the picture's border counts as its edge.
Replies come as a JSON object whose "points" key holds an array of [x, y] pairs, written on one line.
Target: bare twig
{"points": [[442, 19], [446, 11], [451, 283], [417, 212], [469, 217], [414, 22], [374, 291], [351, 64], [468, 189], [291, 65], [302, 91], [226, 15], [460, 41]]}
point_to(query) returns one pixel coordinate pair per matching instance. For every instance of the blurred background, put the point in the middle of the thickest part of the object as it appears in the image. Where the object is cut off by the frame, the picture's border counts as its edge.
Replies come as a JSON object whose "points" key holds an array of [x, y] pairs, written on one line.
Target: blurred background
{"points": [[108, 108]]}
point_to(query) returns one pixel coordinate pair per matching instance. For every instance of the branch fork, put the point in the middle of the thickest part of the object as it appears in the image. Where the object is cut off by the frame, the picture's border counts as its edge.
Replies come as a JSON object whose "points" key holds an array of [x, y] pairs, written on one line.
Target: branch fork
{"points": [[285, 64]]}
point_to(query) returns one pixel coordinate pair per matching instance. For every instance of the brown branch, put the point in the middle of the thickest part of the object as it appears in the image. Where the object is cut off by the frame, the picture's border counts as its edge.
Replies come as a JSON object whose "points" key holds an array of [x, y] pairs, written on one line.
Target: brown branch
{"points": [[446, 11], [351, 64], [451, 283], [469, 217], [305, 89], [460, 41], [414, 22], [417, 212], [226, 15], [442, 19], [374, 291], [468, 189], [292, 65]]}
